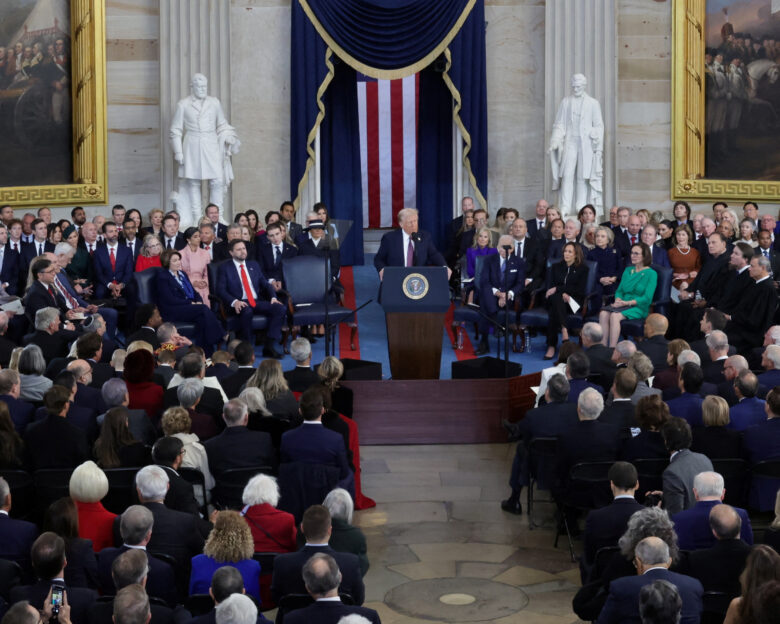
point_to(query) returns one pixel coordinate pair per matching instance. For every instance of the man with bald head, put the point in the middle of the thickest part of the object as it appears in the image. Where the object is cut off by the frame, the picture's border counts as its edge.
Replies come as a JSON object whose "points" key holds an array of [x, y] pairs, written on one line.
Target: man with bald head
{"points": [[655, 345], [86, 396], [719, 566], [503, 279], [652, 561], [749, 409], [693, 525], [537, 227]]}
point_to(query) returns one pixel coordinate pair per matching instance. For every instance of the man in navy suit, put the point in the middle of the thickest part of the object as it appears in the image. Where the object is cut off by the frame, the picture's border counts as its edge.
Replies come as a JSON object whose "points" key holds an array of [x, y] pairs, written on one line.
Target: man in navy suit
{"points": [[502, 282], [693, 525], [577, 371], [130, 238], [762, 442], [316, 527], [113, 264], [237, 446], [170, 237], [688, 404], [10, 389], [322, 578], [770, 360], [16, 536], [272, 253], [39, 244], [9, 263], [652, 561], [537, 227], [407, 247], [603, 527], [220, 229], [240, 286], [312, 442], [749, 410]]}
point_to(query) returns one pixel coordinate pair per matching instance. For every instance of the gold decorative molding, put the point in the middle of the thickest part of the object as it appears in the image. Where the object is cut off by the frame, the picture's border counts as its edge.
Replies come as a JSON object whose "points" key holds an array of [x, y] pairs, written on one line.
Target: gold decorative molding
{"points": [[688, 116], [88, 94]]}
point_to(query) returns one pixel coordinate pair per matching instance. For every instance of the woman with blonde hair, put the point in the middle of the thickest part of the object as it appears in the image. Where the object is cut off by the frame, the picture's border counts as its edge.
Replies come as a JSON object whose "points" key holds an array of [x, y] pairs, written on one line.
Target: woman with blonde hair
{"points": [[715, 439], [330, 371], [176, 422], [229, 543], [155, 222], [280, 401], [150, 253], [88, 486]]}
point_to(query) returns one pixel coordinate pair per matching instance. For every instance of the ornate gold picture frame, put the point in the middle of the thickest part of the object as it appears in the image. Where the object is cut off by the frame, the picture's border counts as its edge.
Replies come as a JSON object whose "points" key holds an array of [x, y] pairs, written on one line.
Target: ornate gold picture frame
{"points": [[689, 113], [88, 105]]}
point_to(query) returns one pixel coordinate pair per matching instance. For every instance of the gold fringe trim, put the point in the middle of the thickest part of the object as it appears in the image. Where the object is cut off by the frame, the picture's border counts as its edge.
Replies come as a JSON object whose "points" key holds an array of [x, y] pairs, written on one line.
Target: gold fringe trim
{"points": [[313, 132], [388, 74], [466, 136]]}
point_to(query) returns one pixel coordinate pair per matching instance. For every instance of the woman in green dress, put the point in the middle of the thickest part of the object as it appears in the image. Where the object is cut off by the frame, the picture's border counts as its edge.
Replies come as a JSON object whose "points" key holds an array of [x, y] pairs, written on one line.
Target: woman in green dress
{"points": [[633, 296]]}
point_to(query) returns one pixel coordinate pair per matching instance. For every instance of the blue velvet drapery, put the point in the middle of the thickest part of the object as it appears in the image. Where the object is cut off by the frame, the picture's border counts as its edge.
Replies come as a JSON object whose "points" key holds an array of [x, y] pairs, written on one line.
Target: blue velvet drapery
{"points": [[387, 39]]}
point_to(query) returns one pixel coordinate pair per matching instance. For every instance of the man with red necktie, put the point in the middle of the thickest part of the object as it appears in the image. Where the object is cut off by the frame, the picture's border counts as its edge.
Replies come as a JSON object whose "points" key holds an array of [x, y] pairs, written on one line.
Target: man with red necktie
{"points": [[243, 288], [113, 264]]}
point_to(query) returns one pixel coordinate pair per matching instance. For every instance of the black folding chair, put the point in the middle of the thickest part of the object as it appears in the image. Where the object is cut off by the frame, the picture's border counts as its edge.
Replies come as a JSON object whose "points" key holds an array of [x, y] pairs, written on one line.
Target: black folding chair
{"points": [[10, 577], [541, 469], [229, 488], [736, 478], [199, 604], [21, 484], [196, 478], [714, 607], [121, 489], [50, 485], [650, 474]]}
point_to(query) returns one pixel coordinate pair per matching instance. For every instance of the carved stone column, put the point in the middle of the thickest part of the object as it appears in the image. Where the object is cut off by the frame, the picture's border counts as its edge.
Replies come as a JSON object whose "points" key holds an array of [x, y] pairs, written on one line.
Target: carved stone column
{"points": [[194, 38], [581, 37]]}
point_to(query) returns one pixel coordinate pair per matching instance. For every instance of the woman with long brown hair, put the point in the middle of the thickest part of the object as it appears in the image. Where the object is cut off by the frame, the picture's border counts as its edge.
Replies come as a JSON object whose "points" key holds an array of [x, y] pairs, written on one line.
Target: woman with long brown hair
{"points": [[116, 447], [762, 566]]}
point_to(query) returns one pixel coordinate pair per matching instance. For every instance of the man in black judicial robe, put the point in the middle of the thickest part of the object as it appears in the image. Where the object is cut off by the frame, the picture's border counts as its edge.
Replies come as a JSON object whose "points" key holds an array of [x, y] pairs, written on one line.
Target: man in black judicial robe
{"points": [[754, 315]]}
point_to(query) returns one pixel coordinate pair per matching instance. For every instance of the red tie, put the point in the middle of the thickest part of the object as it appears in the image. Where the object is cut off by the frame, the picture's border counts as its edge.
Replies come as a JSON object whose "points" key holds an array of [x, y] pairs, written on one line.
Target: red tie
{"points": [[113, 259], [91, 251], [247, 288], [633, 240], [207, 248]]}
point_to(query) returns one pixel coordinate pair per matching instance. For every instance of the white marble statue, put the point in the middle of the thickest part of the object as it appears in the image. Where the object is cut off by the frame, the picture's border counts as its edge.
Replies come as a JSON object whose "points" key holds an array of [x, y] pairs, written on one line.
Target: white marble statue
{"points": [[203, 142], [576, 148]]}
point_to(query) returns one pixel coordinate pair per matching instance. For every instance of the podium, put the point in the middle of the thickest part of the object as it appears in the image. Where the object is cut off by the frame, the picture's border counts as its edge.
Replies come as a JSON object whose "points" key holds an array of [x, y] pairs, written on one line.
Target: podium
{"points": [[415, 300]]}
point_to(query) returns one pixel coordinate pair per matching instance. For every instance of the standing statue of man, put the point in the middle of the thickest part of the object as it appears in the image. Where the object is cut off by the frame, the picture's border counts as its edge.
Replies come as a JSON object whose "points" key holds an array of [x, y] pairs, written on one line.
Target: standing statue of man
{"points": [[203, 142], [576, 148]]}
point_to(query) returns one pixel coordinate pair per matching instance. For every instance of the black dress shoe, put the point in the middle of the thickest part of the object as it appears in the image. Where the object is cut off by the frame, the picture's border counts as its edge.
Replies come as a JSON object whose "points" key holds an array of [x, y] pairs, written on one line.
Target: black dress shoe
{"points": [[513, 429], [482, 349], [512, 506]]}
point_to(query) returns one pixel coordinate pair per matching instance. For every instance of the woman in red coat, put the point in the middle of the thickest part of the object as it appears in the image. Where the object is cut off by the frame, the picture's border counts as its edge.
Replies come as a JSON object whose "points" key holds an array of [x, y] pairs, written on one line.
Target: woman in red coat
{"points": [[144, 393], [88, 486], [272, 529]]}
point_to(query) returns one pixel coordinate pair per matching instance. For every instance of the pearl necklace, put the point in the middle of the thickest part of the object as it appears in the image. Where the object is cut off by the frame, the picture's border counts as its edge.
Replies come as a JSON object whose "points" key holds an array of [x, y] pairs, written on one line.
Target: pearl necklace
{"points": [[684, 253]]}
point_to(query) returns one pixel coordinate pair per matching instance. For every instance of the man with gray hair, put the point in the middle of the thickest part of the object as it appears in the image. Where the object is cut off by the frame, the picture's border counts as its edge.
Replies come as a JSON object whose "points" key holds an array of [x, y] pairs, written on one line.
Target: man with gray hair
{"points": [[770, 361], [693, 525], [236, 609], [623, 352], [175, 533], [322, 578], [600, 356], [49, 336], [732, 366], [193, 366], [237, 446], [652, 561], [16, 536], [718, 348], [749, 410], [114, 393], [302, 377], [10, 389], [135, 529], [588, 440], [755, 312], [86, 395]]}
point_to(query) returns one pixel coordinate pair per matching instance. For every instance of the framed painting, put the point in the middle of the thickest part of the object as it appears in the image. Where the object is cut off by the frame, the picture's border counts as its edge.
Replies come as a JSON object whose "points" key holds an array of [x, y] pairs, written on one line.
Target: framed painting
{"points": [[53, 102], [726, 100]]}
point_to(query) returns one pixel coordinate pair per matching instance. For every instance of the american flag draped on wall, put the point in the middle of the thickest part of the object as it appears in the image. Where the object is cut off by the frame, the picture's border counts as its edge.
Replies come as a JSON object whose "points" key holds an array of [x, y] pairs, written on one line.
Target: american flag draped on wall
{"points": [[387, 111]]}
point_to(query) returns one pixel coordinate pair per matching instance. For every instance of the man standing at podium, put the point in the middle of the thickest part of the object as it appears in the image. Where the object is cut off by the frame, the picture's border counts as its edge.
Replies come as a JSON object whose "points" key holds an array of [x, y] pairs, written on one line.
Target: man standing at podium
{"points": [[502, 282], [408, 247]]}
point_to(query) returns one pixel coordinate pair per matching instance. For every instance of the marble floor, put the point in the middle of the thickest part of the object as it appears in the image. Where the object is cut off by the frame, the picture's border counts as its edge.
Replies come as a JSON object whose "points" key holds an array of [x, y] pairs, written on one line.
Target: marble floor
{"points": [[441, 549]]}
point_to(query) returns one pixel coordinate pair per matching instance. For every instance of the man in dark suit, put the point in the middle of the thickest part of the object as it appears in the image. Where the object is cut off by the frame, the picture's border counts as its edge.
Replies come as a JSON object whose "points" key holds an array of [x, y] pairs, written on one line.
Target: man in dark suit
{"points": [[42, 292], [693, 525], [130, 239], [287, 212], [10, 264], [86, 395], [316, 527], [683, 466], [407, 246], [48, 561], [577, 371], [53, 442], [170, 237], [765, 249], [588, 440], [688, 404], [38, 246], [756, 311], [135, 527], [82, 417], [175, 533], [502, 282], [770, 361], [16, 536], [49, 335], [748, 410], [89, 347], [114, 264], [220, 229], [599, 356], [762, 442], [167, 453], [621, 412], [225, 582], [537, 227], [245, 292], [603, 527], [718, 352], [652, 562], [718, 567], [711, 319], [302, 377], [571, 233], [529, 249], [147, 319], [311, 442], [21, 411], [237, 446], [549, 420], [453, 227], [244, 357], [322, 577], [655, 345]]}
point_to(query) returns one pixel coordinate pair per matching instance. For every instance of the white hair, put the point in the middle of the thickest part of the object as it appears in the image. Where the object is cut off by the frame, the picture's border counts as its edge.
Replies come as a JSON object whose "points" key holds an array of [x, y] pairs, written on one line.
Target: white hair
{"points": [[772, 352], [738, 362], [255, 400], [189, 392], [340, 505], [575, 222], [152, 483], [88, 483], [625, 348], [236, 609], [590, 404], [300, 350], [593, 332], [717, 341], [652, 550], [45, 317], [688, 356], [774, 334], [261, 489], [354, 618], [64, 249], [708, 484]]}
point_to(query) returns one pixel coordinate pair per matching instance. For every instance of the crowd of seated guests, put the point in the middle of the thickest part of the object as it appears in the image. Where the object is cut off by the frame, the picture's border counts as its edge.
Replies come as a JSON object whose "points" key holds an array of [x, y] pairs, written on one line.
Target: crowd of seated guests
{"points": [[161, 410]]}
